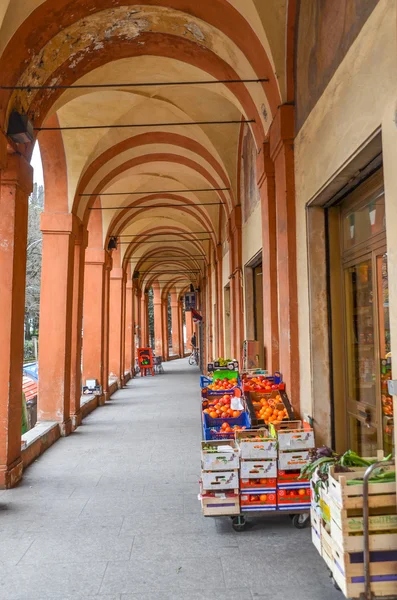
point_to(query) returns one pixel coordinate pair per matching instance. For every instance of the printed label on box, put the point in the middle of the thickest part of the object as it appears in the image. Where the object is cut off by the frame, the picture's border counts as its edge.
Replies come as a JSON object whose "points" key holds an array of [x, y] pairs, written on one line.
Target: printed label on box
{"points": [[288, 461], [254, 469], [295, 439], [262, 449], [223, 480]]}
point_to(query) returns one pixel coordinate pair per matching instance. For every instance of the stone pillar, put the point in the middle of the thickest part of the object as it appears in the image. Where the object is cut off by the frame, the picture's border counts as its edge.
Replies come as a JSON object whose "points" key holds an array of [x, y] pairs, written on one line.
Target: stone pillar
{"points": [[93, 315], [282, 155], [106, 326], [189, 329], [15, 187], [123, 325], [138, 319], [144, 316], [175, 323], [266, 184], [220, 341], [209, 326], [77, 324], [180, 322], [116, 323], [56, 311], [158, 320], [236, 289], [164, 312], [129, 327]]}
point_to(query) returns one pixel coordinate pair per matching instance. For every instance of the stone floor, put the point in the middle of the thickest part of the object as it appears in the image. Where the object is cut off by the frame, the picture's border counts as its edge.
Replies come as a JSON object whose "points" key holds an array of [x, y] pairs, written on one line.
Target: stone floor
{"points": [[111, 512]]}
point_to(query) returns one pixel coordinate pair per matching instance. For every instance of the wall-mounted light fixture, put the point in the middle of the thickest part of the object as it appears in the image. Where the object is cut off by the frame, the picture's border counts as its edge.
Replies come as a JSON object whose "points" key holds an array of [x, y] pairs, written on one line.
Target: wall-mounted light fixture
{"points": [[20, 129], [112, 245]]}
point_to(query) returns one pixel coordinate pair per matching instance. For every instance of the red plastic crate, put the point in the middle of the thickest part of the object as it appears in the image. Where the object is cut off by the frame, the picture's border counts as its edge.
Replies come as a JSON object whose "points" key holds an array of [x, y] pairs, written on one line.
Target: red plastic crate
{"points": [[257, 485], [290, 498], [253, 502], [290, 476]]}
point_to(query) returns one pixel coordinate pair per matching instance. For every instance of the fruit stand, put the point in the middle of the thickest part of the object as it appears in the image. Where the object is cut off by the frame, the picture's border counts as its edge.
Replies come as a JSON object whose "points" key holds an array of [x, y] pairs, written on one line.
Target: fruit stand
{"points": [[252, 449]]}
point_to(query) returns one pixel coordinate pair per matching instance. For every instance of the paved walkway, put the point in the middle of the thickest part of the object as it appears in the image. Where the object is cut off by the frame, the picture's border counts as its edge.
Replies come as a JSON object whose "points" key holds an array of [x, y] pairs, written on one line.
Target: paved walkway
{"points": [[111, 513]]}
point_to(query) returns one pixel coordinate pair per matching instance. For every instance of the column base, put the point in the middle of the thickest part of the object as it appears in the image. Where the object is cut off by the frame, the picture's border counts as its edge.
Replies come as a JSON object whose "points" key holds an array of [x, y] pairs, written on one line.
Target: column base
{"points": [[76, 420], [66, 428], [106, 397], [10, 475], [102, 400]]}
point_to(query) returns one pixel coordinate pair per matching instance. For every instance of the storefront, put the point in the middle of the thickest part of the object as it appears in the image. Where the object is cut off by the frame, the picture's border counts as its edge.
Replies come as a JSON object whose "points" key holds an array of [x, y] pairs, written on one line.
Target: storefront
{"points": [[359, 296]]}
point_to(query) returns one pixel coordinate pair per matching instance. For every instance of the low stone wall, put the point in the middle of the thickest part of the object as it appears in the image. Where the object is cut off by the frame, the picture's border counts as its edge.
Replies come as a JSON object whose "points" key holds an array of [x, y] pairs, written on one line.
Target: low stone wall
{"points": [[38, 440]]}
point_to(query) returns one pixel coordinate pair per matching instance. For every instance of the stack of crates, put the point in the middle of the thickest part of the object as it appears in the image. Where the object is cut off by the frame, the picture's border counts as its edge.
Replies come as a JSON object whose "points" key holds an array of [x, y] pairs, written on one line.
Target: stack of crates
{"points": [[219, 478], [294, 445], [258, 470]]}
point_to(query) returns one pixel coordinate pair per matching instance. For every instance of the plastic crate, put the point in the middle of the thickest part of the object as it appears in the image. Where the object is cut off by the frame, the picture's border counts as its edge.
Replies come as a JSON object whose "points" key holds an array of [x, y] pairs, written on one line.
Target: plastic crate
{"points": [[215, 432], [205, 381], [242, 420], [207, 393]]}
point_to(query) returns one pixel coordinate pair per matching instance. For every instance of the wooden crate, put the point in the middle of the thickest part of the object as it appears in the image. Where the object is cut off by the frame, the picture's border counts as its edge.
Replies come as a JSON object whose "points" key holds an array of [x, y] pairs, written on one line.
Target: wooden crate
{"points": [[290, 461], [316, 532], [221, 460], [220, 504], [219, 480], [295, 439], [351, 496], [348, 572]]}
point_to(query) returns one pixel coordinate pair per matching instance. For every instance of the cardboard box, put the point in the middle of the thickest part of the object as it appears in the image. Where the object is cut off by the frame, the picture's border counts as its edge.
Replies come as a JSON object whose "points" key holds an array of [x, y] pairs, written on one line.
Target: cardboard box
{"points": [[295, 439], [293, 460], [256, 445], [219, 480], [222, 460], [258, 469], [218, 504]]}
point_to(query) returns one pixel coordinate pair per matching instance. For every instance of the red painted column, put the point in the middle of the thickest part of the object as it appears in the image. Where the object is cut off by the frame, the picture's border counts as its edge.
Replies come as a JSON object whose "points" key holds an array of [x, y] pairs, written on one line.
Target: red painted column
{"points": [[180, 327], [158, 320], [164, 312], [116, 323], [129, 327], [93, 315], [56, 310], [15, 187], [220, 341], [175, 322], [266, 184], [189, 329], [123, 325], [236, 290], [282, 154], [77, 324], [106, 326], [138, 319]]}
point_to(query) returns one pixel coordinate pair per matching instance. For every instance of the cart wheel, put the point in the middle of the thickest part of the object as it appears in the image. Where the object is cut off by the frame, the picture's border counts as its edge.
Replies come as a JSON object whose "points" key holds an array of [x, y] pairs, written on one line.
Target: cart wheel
{"points": [[239, 523], [301, 521]]}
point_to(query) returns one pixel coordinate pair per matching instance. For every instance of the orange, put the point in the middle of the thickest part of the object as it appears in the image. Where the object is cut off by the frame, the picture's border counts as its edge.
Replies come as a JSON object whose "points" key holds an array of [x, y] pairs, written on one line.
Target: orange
{"points": [[263, 497], [213, 415]]}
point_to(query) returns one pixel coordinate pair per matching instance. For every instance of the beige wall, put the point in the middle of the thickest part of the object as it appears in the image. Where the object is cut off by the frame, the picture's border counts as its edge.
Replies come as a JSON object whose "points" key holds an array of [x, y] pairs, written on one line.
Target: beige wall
{"points": [[251, 245], [355, 103]]}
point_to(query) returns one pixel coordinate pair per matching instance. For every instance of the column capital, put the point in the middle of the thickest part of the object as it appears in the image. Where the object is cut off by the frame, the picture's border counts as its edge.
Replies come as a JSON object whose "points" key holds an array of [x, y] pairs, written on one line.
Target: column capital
{"points": [[62, 223], [282, 129], [108, 261], [117, 273], [264, 164], [18, 172], [235, 221], [95, 256], [3, 150]]}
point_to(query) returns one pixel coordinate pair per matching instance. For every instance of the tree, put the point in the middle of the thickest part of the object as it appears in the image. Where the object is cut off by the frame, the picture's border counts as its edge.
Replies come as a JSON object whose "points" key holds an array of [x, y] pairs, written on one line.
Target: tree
{"points": [[33, 262], [151, 318]]}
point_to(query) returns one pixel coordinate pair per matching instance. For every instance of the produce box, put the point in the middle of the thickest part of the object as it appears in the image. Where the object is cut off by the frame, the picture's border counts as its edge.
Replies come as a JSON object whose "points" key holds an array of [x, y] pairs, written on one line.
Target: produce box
{"points": [[258, 469], [219, 480], [219, 455], [241, 420], [262, 485], [293, 460], [218, 504], [351, 496], [276, 400], [255, 444], [261, 502], [290, 476], [348, 572], [295, 439], [290, 499], [316, 530]]}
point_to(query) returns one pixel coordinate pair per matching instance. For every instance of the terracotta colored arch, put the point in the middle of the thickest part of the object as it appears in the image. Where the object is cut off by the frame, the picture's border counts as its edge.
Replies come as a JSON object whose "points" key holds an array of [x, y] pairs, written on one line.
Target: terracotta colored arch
{"points": [[123, 219], [140, 160], [54, 15], [54, 168], [154, 137]]}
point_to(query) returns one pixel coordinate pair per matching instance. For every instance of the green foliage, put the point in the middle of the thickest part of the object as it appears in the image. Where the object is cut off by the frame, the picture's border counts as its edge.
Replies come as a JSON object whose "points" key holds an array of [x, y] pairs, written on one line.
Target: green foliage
{"points": [[28, 351], [33, 263]]}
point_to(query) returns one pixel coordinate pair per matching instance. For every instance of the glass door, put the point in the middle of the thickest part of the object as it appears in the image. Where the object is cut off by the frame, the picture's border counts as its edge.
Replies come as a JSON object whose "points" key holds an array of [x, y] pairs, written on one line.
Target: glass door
{"points": [[361, 358], [386, 412]]}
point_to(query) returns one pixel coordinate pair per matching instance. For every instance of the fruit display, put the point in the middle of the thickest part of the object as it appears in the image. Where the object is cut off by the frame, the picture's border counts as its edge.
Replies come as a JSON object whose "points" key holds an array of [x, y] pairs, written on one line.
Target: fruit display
{"points": [[268, 411], [258, 500], [223, 362], [220, 408], [258, 484], [294, 496], [221, 385], [261, 383]]}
